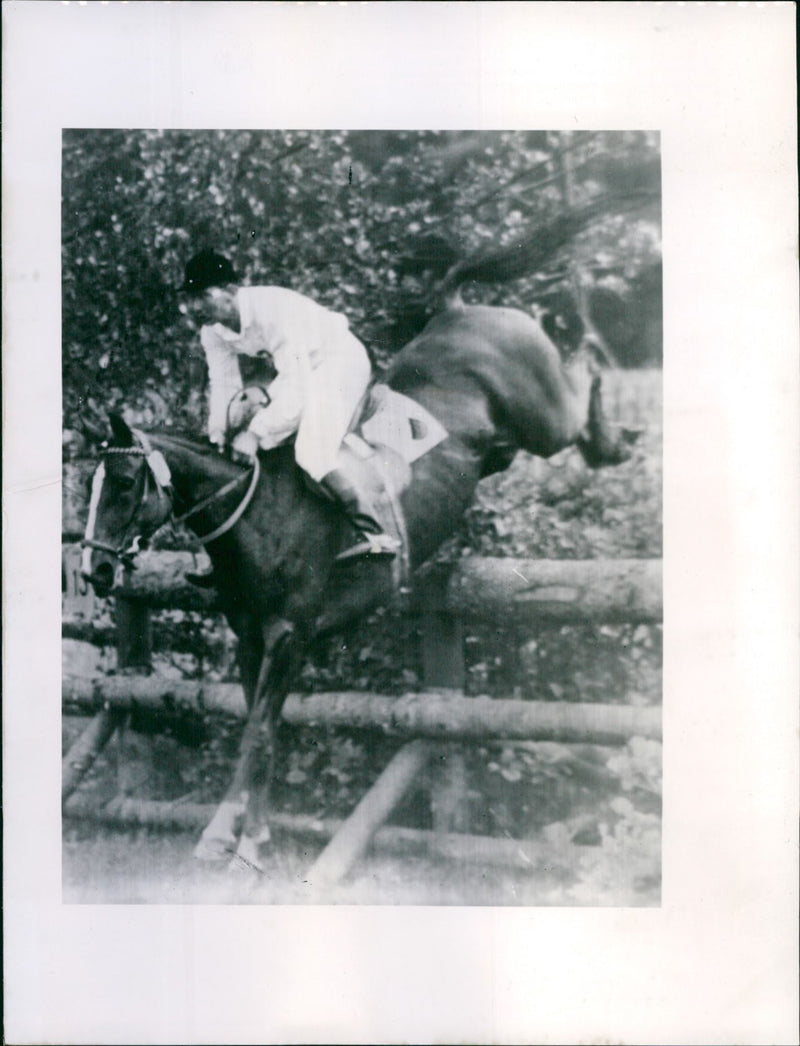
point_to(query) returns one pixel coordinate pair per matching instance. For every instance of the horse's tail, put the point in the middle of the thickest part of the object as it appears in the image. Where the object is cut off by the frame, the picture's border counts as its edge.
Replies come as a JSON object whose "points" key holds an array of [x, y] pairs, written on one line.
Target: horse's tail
{"points": [[531, 252]]}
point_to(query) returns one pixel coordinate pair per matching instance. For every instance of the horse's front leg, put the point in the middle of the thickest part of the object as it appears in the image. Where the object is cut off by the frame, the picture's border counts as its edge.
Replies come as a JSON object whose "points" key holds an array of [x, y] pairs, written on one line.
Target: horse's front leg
{"points": [[259, 766], [257, 647]]}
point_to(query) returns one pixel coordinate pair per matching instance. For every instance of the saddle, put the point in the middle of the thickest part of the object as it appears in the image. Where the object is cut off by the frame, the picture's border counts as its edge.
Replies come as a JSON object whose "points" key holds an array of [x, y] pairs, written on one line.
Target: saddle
{"points": [[390, 433], [390, 419]]}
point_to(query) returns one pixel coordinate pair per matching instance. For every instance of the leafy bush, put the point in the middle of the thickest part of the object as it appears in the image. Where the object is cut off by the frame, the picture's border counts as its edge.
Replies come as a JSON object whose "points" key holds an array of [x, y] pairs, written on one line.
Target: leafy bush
{"points": [[366, 223]]}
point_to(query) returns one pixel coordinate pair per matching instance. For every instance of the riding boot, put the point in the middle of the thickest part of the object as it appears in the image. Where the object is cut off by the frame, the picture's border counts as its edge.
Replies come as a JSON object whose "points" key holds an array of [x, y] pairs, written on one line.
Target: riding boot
{"points": [[371, 538]]}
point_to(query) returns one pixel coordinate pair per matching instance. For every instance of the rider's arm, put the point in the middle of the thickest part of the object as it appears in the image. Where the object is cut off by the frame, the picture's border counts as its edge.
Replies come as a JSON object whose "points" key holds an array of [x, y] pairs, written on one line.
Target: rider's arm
{"points": [[288, 392], [224, 381]]}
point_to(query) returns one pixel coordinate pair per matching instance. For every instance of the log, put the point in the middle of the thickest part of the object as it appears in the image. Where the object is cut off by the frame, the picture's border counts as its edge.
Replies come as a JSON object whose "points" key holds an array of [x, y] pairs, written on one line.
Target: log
{"points": [[537, 592], [353, 838], [152, 693], [74, 627], [434, 714], [441, 633], [521, 854], [443, 667], [86, 748], [443, 715], [159, 580], [124, 812], [518, 591]]}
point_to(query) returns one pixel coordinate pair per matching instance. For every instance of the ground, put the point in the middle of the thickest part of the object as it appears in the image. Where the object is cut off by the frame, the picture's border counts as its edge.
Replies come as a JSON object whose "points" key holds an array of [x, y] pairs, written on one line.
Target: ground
{"points": [[147, 867]]}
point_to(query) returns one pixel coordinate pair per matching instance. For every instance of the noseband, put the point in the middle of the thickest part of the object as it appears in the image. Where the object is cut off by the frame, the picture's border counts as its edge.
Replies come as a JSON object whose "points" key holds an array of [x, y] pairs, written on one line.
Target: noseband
{"points": [[158, 470]]}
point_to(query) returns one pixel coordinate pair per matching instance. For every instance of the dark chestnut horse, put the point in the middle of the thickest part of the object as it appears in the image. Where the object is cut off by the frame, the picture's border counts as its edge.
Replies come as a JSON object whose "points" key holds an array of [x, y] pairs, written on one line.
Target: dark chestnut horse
{"points": [[494, 381]]}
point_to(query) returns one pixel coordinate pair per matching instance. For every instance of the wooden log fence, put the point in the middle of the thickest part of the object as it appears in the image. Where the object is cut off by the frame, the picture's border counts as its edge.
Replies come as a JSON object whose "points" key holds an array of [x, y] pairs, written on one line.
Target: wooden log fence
{"points": [[514, 591], [87, 747], [351, 841], [519, 591], [436, 714]]}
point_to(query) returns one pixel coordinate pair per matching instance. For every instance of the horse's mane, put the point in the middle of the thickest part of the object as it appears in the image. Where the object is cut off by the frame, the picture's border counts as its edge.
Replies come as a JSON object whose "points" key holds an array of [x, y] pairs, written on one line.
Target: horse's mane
{"points": [[187, 441], [204, 448]]}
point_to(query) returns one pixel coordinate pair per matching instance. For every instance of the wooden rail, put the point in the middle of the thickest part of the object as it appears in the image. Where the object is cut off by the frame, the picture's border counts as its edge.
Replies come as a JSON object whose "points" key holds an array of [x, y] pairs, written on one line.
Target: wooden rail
{"points": [[524, 591], [435, 714], [522, 854]]}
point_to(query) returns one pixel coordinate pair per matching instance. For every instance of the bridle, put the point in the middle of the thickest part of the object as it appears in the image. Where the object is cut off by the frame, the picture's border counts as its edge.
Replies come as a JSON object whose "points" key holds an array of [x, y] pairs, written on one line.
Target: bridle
{"points": [[158, 474]]}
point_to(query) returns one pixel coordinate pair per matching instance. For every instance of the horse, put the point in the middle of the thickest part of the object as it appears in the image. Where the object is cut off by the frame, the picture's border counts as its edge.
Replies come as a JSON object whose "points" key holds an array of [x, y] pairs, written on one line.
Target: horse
{"points": [[497, 385]]}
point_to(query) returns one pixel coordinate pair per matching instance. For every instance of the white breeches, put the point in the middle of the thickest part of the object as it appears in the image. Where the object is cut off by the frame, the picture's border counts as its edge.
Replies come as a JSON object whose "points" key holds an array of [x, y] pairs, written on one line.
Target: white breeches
{"points": [[335, 391]]}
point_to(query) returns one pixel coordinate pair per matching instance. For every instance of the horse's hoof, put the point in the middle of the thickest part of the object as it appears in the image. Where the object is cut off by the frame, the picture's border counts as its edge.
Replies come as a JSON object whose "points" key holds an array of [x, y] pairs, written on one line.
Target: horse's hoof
{"points": [[247, 857], [215, 850], [221, 835]]}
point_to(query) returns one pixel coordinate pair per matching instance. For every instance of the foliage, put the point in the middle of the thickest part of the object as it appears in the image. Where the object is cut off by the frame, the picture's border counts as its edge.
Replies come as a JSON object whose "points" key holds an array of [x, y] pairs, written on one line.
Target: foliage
{"points": [[364, 222], [562, 510]]}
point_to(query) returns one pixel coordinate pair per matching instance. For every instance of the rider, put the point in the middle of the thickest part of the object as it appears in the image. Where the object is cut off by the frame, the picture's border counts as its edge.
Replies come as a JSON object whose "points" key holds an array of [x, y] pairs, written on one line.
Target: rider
{"points": [[322, 374]]}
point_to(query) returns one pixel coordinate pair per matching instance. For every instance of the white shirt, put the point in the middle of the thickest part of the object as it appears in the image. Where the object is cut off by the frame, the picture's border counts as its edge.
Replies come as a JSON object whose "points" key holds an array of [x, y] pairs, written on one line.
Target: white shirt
{"points": [[300, 335]]}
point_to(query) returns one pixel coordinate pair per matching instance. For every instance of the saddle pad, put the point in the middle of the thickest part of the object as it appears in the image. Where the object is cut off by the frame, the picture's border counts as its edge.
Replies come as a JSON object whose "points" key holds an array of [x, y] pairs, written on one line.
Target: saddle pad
{"points": [[392, 420]]}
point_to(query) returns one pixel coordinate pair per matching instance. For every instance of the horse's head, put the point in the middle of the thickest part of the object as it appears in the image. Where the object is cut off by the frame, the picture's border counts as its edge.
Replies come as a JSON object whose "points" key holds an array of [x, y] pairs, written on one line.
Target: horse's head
{"points": [[130, 500]]}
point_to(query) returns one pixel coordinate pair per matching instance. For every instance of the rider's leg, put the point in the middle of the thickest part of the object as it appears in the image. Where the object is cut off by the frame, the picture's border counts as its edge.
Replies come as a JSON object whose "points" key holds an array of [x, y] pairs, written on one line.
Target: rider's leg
{"points": [[350, 489], [335, 397]]}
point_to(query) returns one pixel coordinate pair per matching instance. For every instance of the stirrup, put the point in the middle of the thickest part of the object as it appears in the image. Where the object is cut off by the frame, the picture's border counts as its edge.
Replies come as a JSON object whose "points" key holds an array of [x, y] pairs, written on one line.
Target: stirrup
{"points": [[372, 545], [202, 580]]}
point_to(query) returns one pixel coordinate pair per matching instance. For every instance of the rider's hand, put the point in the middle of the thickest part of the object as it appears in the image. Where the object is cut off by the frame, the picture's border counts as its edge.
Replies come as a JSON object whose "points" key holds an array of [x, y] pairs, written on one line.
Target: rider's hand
{"points": [[217, 437], [244, 406], [245, 447]]}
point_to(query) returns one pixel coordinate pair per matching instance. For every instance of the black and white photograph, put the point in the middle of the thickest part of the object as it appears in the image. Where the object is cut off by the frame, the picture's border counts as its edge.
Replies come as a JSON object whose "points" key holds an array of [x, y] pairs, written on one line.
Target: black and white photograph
{"points": [[400, 545], [362, 527]]}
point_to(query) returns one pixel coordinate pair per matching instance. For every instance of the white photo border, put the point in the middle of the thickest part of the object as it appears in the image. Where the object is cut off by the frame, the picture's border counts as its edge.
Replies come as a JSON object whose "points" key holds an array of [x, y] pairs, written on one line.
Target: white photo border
{"points": [[718, 961]]}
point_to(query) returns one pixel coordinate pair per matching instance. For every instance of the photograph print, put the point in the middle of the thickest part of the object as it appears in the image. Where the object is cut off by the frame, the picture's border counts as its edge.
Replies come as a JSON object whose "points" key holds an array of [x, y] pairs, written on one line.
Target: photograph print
{"points": [[362, 519]]}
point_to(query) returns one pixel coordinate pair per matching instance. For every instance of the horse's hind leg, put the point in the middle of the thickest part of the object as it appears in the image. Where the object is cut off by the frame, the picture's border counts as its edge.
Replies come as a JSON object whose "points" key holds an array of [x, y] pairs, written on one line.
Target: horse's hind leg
{"points": [[256, 647]]}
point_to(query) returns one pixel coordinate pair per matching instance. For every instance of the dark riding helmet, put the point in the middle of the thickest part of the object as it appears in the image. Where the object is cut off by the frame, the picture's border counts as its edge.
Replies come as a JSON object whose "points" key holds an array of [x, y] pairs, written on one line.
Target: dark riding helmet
{"points": [[207, 269]]}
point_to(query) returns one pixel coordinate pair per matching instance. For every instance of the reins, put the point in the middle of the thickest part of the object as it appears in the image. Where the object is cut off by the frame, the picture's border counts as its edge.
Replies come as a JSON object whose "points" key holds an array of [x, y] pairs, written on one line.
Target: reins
{"points": [[238, 512]]}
